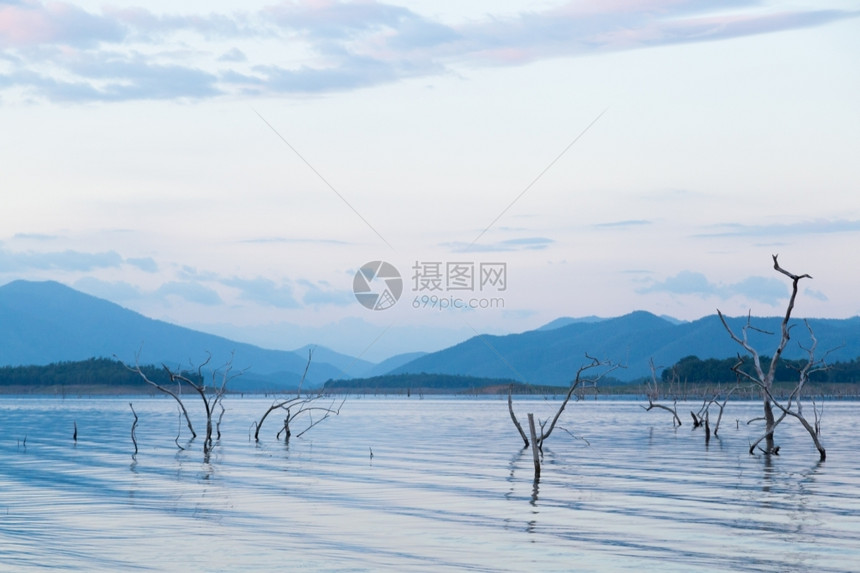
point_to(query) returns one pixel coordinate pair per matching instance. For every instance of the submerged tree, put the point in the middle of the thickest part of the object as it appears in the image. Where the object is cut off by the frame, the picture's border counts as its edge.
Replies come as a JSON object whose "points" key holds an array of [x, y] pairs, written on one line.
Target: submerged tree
{"points": [[210, 394], [764, 378], [598, 370], [298, 406], [652, 391], [702, 418]]}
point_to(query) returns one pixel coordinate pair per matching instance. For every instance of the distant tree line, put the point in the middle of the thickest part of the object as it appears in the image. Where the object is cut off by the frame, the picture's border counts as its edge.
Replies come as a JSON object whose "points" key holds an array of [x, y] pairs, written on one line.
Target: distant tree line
{"points": [[106, 372], [420, 383], [694, 370], [92, 372]]}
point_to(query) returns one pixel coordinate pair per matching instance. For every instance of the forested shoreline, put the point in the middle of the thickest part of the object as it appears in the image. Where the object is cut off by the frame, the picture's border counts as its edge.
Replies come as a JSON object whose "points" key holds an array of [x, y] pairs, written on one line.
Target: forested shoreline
{"points": [[95, 375], [689, 377]]}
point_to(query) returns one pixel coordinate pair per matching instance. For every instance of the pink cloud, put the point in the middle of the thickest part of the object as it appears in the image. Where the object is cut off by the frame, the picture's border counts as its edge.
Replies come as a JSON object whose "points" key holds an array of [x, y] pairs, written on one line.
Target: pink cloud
{"points": [[33, 23]]}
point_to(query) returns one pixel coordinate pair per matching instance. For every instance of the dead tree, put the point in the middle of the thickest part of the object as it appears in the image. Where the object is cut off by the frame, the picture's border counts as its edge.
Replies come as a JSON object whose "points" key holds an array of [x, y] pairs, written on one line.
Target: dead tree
{"points": [[210, 394], [652, 391], [764, 378], [517, 424], [701, 418], [304, 407], [133, 427], [579, 383], [298, 406], [175, 394], [724, 396]]}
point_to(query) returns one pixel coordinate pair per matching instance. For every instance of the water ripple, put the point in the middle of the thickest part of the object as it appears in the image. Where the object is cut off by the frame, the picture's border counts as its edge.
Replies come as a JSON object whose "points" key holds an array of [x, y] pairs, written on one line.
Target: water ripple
{"points": [[448, 488]]}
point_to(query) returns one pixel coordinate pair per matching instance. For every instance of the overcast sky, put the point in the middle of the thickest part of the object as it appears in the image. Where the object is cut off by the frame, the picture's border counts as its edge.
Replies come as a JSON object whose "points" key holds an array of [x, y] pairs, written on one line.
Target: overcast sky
{"points": [[230, 166]]}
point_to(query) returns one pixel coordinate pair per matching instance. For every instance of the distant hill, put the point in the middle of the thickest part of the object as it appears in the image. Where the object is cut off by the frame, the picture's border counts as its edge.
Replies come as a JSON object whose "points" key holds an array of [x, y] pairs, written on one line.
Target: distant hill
{"points": [[394, 362], [553, 356], [47, 322], [349, 365], [568, 320]]}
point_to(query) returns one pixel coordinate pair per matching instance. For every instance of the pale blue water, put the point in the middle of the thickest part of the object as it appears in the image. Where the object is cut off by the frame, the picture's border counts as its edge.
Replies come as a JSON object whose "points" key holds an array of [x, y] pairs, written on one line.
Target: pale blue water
{"points": [[448, 489]]}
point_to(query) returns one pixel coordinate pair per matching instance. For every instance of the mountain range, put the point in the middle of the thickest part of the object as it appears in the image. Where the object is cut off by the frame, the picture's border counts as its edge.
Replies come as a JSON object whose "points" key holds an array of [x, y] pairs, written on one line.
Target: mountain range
{"points": [[552, 356], [45, 322]]}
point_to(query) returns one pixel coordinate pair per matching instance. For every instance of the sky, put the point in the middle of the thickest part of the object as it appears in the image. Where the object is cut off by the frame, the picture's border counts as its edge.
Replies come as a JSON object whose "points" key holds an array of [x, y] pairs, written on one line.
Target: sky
{"points": [[232, 166]]}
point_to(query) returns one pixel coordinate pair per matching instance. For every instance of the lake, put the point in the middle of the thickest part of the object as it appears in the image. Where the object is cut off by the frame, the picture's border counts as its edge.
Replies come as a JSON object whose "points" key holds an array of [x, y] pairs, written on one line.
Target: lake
{"points": [[448, 488]]}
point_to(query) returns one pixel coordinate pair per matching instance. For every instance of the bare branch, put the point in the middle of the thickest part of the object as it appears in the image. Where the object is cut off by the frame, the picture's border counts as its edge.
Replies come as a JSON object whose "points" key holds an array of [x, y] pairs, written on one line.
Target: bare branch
{"points": [[211, 395], [785, 328], [674, 411], [326, 413], [580, 381], [653, 394], [574, 436], [295, 406], [514, 417], [133, 427], [577, 381], [164, 389]]}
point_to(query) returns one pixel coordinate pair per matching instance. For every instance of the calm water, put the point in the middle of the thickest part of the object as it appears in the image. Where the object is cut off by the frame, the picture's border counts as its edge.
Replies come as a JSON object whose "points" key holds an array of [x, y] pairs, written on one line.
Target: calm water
{"points": [[448, 488]]}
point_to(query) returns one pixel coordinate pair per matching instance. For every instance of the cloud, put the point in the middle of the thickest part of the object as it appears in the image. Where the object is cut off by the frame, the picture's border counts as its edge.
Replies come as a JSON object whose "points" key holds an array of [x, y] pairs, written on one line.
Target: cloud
{"points": [[233, 55], [766, 290], [816, 294], [115, 77], [61, 52], [63, 261], [264, 291], [68, 260], [518, 314], [327, 22], [508, 245], [114, 291], [191, 273], [815, 227], [146, 264], [121, 291], [351, 72], [623, 224], [190, 291], [35, 237], [146, 25], [685, 282], [761, 289], [261, 291], [135, 76], [28, 24], [321, 293], [295, 241]]}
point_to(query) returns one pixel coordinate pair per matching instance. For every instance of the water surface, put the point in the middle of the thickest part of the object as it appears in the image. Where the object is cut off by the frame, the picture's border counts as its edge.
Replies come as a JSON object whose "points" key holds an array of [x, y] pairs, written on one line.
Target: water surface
{"points": [[448, 487]]}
